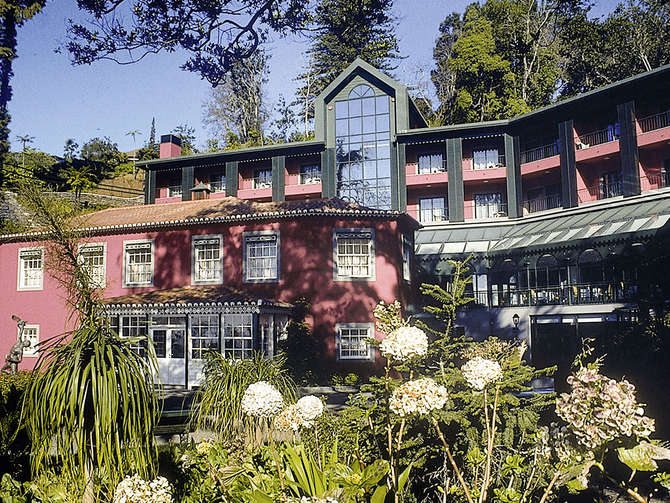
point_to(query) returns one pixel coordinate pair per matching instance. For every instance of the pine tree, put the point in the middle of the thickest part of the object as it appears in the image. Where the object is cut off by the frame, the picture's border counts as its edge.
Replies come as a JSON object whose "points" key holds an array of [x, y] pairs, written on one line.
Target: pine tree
{"points": [[345, 30], [153, 146]]}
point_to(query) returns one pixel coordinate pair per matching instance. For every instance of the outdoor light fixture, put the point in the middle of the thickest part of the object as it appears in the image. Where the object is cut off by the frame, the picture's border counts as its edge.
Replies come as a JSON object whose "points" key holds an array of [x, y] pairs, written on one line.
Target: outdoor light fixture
{"points": [[515, 320]]}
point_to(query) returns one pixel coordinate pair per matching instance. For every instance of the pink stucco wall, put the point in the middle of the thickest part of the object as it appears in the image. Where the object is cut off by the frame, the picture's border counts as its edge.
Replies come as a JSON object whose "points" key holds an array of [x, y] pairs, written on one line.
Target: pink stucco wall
{"points": [[306, 270]]}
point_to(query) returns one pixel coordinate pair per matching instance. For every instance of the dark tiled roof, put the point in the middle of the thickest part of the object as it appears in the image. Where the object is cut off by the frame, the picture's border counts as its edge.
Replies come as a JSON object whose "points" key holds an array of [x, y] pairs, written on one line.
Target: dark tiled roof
{"points": [[207, 295]]}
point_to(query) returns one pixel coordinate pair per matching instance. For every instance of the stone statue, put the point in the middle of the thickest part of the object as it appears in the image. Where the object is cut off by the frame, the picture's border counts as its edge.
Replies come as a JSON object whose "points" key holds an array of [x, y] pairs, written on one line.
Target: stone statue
{"points": [[15, 355]]}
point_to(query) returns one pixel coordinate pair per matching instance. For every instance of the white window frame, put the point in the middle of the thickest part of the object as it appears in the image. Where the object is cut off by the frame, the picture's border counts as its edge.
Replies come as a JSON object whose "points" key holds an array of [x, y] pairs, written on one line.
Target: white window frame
{"points": [[207, 239], [370, 327], [259, 236], [200, 328], [82, 248], [20, 278], [431, 201], [31, 351], [362, 233], [131, 242], [231, 327]]}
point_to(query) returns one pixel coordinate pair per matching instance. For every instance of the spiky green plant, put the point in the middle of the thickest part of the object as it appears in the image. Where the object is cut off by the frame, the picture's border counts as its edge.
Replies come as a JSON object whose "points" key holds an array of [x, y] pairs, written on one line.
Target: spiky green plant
{"points": [[91, 409], [220, 397]]}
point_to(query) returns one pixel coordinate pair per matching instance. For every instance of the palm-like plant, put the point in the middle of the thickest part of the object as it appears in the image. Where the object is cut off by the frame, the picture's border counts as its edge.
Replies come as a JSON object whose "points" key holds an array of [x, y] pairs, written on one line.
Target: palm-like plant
{"points": [[92, 402], [219, 401]]}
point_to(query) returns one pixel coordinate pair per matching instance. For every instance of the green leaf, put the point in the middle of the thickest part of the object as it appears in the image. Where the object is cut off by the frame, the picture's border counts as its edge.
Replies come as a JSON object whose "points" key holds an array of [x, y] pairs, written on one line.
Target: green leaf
{"points": [[379, 495], [639, 458], [402, 479]]}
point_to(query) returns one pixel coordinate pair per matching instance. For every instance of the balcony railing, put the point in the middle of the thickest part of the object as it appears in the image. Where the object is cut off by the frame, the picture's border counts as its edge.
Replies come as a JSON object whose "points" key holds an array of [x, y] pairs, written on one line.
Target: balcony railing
{"points": [[486, 211], [440, 168], [174, 191], [601, 191], [261, 182], [656, 121], [596, 137], [659, 181], [218, 186], [309, 178], [543, 203], [589, 293], [489, 165], [535, 154]]}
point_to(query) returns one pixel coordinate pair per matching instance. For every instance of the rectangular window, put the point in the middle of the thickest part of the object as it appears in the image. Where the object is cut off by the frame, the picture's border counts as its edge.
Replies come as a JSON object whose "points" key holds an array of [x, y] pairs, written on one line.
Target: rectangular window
{"points": [[139, 263], [262, 179], [354, 255], [92, 258], [352, 341], [432, 209], [407, 252], [204, 334], [310, 174], [485, 159], [207, 259], [430, 163], [218, 183], [261, 256], [31, 334], [131, 326], [238, 336], [488, 205], [31, 269]]}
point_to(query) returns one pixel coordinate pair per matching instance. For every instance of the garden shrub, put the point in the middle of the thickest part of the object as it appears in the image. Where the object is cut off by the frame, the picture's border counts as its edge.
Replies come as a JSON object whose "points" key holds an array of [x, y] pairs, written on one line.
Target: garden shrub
{"points": [[14, 441]]}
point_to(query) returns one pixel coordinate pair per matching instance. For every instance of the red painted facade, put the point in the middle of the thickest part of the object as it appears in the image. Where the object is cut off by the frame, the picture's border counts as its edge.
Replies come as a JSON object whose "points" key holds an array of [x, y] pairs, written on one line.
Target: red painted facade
{"points": [[306, 271]]}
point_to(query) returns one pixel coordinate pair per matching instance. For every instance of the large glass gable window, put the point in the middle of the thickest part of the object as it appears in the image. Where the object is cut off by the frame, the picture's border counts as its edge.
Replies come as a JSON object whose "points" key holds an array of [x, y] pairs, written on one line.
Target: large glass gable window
{"points": [[362, 125]]}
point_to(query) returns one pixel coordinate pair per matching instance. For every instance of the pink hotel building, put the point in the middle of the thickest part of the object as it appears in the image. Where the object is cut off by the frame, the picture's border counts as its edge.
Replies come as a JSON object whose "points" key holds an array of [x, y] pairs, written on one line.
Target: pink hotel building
{"points": [[559, 208]]}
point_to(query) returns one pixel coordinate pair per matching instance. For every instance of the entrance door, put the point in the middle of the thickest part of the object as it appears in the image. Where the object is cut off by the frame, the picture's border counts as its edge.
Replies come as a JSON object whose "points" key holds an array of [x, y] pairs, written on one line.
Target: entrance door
{"points": [[169, 345]]}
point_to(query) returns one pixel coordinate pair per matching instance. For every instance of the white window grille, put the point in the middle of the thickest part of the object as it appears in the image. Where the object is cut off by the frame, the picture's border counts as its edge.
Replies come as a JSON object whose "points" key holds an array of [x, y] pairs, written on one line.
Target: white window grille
{"points": [[352, 341], [310, 174], [31, 333], [207, 260], [204, 334], [238, 336], [407, 252], [139, 263], [432, 209], [92, 257], [485, 159], [131, 326], [261, 256], [488, 205], [31, 268], [354, 254]]}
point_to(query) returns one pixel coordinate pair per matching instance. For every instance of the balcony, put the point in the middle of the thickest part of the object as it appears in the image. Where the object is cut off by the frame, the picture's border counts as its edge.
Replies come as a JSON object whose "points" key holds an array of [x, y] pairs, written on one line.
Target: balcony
{"points": [[588, 140], [485, 211], [653, 122], [174, 191], [600, 191], [481, 165], [586, 293], [218, 186], [538, 153], [261, 182], [543, 203]]}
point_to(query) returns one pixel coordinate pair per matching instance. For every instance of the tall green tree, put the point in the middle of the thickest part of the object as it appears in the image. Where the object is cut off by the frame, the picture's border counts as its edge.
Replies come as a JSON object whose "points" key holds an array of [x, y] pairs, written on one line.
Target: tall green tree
{"points": [[516, 53], [237, 104], [634, 38], [13, 15], [345, 30], [186, 134]]}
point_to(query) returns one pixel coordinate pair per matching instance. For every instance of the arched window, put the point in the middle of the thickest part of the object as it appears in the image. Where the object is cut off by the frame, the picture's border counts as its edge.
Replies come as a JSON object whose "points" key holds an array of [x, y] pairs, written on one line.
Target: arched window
{"points": [[590, 267], [363, 150]]}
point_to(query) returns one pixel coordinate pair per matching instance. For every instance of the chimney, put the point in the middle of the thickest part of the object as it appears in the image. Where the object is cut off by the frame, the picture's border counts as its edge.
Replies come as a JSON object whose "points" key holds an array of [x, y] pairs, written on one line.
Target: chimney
{"points": [[170, 146]]}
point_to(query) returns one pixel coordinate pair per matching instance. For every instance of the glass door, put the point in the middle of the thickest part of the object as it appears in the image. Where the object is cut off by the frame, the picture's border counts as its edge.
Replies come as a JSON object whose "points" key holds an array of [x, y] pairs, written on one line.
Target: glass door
{"points": [[169, 343]]}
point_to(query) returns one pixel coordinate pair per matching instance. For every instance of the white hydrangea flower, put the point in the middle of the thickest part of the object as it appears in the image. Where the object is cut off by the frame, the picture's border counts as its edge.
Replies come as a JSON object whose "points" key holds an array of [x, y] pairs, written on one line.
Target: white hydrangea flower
{"points": [[289, 419], [137, 490], [404, 343], [480, 372], [261, 399], [203, 448], [310, 407], [418, 397]]}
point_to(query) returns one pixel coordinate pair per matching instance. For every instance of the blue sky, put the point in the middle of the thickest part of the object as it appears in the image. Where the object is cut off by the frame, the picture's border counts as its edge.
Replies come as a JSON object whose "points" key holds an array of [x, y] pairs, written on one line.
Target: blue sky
{"points": [[54, 101]]}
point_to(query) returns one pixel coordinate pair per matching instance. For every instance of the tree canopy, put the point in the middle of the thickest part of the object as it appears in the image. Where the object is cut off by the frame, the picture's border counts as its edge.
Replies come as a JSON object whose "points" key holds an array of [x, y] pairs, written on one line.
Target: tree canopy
{"points": [[345, 30], [214, 35]]}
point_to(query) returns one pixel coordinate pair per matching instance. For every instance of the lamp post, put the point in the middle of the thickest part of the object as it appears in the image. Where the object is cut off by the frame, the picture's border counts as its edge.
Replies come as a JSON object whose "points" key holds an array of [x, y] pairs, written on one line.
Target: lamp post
{"points": [[515, 320]]}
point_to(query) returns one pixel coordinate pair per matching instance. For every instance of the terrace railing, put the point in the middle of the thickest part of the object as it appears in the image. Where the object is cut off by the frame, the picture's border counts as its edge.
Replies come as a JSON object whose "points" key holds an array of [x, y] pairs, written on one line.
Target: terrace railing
{"points": [[440, 168], [588, 293], [261, 182], [600, 191], [218, 186], [543, 203], [656, 121], [596, 138], [535, 154]]}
